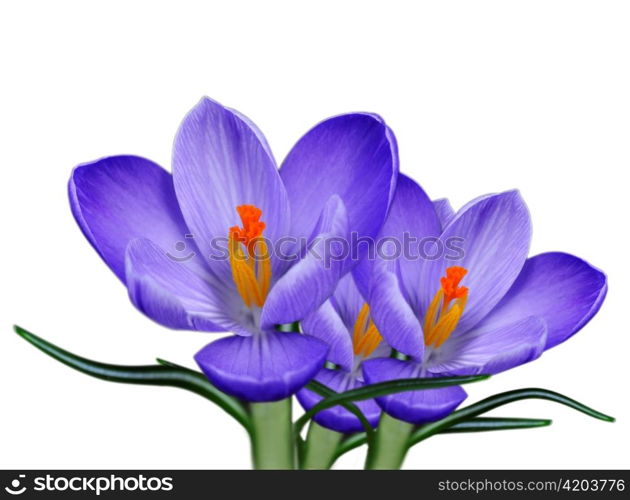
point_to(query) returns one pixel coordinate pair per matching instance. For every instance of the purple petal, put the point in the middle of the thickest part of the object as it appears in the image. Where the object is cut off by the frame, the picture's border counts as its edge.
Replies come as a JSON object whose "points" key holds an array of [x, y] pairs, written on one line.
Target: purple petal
{"points": [[444, 211], [313, 279], [494, 232], [172, 294], [326, 325], [265, 367], [353, 156], [491, 348], [417, 407], [257, 131], [411, 215], [117, 199], [334, 321], [392, 315], [338, 418], [219, 163], [363, 271], [563, 289], [347, 301]]}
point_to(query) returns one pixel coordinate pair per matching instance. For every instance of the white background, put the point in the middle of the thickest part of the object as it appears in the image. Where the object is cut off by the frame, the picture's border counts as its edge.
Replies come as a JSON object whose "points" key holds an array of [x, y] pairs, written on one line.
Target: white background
{"points": [[483, 97]]}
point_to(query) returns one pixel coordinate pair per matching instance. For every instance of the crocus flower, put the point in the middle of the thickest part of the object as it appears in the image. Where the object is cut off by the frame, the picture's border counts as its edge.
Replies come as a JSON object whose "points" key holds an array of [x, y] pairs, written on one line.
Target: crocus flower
{"points": [[225, 187], [343, 322], [485, 309]]}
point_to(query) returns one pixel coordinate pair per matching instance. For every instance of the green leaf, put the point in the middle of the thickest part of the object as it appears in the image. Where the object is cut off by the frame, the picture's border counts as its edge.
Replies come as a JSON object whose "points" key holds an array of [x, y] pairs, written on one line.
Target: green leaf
{"points": [[165, 374], [327, 392], [350, 443], [484, 424], [497, 400], [479, 424], [382, 389]]}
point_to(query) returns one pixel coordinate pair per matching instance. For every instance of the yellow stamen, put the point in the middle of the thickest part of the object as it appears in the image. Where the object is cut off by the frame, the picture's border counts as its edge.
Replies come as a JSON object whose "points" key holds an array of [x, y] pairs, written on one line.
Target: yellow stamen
{"points": [[359, 324], [251, 269], [264, 275], [374, 339], [445, 326], [446, 308], [433, 312], [365, 337]]}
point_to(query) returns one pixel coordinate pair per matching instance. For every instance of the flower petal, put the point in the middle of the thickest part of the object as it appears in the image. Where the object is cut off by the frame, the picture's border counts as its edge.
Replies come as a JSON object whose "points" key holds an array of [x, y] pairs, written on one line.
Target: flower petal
{"points": [[391, 284], [172, 294], [219, 162], [338, 418], [353, 156], [491, 348], [348, 301], [313, 279], [326, 325], [392, 315], [417, 407], [563, 289], [257, 131], [444, 211], [493, 233], [411, 215], [266, 367], [117, 199]]}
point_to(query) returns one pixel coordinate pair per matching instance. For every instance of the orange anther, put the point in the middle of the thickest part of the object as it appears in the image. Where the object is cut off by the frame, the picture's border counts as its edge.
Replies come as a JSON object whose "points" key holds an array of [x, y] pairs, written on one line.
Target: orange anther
{"points": [[440, 320], [252, 275], [450, 283], [252, 228]]}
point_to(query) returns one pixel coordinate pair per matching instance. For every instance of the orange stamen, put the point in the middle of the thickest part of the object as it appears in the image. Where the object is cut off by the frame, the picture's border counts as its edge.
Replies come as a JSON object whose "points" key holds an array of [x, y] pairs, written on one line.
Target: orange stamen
{"points": [[251, 272], [252, 227], [366, 337], [441, 320], [450, 283]]}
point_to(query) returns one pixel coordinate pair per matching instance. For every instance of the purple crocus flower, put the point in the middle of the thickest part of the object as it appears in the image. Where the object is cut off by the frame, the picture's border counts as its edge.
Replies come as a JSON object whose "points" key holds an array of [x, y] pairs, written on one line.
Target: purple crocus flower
{"points": [[343, 322], [228, 200], [488, 310]]}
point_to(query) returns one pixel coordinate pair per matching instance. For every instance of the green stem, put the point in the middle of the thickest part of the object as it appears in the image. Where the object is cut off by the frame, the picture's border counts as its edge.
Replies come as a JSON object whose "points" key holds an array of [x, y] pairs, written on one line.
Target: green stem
{"points": [[272, 435], [390, 445], [320, 448]]}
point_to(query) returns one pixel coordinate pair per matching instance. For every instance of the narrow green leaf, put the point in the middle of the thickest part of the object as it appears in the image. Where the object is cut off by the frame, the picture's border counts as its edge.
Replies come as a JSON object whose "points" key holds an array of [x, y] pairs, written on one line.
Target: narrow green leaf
{"points": [[484, 424], [350, 443], [479, 424], [499, 400], [164, 362], [382, 389], [327, 392], [166, 374]]}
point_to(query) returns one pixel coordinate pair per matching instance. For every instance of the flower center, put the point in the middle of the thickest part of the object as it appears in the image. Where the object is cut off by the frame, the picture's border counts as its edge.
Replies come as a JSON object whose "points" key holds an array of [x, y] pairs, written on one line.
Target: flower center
{"points": [[365, 336], [446, 308], [249, 259]]}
